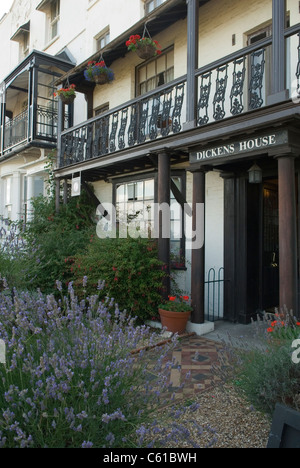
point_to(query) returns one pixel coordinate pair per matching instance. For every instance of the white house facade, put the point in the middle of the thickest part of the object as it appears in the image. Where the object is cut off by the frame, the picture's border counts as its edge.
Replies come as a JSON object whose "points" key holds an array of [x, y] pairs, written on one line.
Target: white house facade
{"points": [[213, 121]]}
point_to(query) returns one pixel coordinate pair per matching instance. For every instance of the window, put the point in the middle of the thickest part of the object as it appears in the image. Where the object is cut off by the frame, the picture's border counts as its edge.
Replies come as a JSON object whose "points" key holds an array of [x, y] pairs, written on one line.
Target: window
{"points": [[22, 36], [54, 18], [152, 4], [102, 39], [134, 207], [156, 72]]}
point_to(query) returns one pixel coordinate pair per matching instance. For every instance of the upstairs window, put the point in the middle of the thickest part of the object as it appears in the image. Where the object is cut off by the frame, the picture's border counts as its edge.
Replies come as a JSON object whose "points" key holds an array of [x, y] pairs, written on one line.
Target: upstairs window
{"points": [[152, 4], [102, 39], [54, 18], [155, 72], [52, 10]]}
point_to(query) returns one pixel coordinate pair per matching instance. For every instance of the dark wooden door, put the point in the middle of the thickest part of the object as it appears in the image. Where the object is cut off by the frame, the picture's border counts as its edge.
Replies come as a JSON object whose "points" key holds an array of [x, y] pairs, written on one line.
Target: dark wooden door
{"points": [[270, 246]]}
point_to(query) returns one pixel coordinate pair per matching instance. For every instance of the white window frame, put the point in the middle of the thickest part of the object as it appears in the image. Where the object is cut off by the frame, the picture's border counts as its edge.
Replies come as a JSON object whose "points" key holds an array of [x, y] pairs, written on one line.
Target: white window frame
{"points": [[54, 19]]}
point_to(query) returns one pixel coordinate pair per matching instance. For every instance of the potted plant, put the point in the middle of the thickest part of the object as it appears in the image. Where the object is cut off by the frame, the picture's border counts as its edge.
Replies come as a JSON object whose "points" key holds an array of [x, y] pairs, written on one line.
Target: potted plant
{"points": [[98, 72], [145, 47], [67, 95], [175, 313]]}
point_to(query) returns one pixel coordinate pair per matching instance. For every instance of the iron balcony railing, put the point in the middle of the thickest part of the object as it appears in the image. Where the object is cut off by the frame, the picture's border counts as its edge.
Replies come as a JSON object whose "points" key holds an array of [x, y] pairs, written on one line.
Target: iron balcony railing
{"points": [[18, 131], [239, 83]]}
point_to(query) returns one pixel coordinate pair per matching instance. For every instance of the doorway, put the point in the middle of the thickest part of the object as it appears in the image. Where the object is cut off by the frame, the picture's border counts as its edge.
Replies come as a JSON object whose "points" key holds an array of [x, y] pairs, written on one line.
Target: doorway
{"points": [[270, 246]]}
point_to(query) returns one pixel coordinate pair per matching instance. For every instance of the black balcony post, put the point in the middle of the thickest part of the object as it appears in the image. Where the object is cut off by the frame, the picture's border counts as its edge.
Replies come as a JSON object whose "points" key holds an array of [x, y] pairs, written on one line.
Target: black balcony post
{"points": [[287, 233], [192, 61], [198, 253], [34, 113], [60, 128], [163, 198], [278, 92]]}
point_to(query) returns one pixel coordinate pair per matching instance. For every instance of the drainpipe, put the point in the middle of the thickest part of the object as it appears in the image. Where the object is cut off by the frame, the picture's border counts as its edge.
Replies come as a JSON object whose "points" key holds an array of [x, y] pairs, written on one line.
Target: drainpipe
{"points": [[3, 105], [192, 63]]}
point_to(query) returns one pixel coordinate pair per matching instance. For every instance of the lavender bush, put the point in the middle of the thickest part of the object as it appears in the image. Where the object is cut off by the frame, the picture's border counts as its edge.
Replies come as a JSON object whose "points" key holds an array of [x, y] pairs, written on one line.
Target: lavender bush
{"points": [[71, 381]]}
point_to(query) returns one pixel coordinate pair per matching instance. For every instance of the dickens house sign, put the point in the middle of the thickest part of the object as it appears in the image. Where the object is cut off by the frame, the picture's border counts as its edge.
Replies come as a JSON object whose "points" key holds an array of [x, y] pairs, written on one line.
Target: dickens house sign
{"points": [[260, 143]]}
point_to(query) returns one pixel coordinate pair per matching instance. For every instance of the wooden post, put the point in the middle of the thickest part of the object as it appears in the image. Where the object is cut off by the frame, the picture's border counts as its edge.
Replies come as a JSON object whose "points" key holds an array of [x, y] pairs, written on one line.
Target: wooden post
{"points": [[198, 254], [164, 188], [287, 234], [278, 92], [192, 62]]}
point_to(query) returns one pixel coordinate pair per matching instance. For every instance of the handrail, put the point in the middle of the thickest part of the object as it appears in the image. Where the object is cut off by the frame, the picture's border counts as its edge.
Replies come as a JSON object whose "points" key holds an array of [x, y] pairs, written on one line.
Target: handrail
{"points": [[144, 97]]}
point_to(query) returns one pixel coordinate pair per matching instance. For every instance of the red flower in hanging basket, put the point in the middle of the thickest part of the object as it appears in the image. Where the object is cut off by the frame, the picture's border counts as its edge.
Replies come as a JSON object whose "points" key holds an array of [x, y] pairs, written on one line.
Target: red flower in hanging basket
{"points": [[67, 95], [145, 47]]}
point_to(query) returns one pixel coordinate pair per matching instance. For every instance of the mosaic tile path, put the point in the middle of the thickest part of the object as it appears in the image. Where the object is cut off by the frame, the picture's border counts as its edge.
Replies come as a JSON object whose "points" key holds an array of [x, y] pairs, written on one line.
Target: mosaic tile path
{"points": [[195, 355]]}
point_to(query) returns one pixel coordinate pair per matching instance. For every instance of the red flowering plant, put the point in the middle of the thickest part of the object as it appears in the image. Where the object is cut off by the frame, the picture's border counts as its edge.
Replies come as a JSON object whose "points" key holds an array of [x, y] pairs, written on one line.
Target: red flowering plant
{"points": [[98, 72], [144, 46], [177, 304], [283, 326], [66, 92]]}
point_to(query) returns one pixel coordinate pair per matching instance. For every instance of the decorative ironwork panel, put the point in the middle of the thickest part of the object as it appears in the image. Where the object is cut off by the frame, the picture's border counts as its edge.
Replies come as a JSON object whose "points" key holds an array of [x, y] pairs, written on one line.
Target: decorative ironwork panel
{"points": [[176, 118], [104, 130], [132, 130], [96, 138], [69, 148], [142, 121], [237, 90], [203, 103], [121, 135], [89, 141], [257, 72], [219, 98], [165, 116], [113, 133], [154, 120]]}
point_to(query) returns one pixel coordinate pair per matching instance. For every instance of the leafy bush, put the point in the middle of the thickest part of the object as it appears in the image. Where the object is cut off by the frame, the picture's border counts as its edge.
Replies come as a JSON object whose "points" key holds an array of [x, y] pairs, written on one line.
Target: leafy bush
{"points": [[265, 373], [269, 377], [130, 269], [71, 379], [49, 238]]}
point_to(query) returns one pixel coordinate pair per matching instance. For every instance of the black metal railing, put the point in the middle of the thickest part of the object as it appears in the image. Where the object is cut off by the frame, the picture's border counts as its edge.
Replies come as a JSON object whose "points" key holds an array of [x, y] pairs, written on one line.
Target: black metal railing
{"points": [[238, 83], [147, 118], [17, 132]]}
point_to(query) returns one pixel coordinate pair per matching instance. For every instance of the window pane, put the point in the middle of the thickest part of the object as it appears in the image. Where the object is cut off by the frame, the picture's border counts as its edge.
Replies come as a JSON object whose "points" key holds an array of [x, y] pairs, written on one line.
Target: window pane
{"points": [[157, 72], [149, 189]]}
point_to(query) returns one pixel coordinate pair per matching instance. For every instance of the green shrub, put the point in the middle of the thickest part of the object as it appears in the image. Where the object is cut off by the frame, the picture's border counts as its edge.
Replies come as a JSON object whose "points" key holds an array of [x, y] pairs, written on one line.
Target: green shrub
{"points": [[52, 237], [130, 268], [269, 376]]}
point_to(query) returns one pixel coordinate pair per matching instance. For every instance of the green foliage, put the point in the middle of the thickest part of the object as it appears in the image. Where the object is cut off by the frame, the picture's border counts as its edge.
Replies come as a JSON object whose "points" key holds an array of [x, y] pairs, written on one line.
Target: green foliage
{"points": [[269, 376], [130, 268]]}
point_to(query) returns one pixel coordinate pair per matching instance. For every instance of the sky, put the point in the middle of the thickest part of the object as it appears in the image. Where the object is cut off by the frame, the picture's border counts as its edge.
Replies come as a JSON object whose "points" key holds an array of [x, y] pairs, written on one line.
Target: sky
{"points": [[5, 6]]}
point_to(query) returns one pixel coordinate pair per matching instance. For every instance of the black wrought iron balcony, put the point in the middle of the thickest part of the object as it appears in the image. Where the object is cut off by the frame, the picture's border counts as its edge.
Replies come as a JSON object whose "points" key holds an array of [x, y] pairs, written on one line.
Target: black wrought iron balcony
{"points": [[31, 82], [234, 85]]}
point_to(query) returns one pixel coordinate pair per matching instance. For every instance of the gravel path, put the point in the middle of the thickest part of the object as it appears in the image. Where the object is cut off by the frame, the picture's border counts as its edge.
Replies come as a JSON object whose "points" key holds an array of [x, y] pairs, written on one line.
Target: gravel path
{"points": [[237, 425]]}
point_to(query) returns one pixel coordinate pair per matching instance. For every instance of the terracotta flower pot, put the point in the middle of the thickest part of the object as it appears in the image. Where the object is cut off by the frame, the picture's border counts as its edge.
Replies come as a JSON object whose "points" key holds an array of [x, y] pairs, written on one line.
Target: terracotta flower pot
{"points": [[174, 322]]}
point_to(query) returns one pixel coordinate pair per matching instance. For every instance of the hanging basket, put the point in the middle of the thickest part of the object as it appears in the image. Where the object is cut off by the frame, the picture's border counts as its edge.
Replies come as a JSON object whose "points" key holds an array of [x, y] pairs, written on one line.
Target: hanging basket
{"points": [[67, 99], [146, 52], [101, 79]]}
